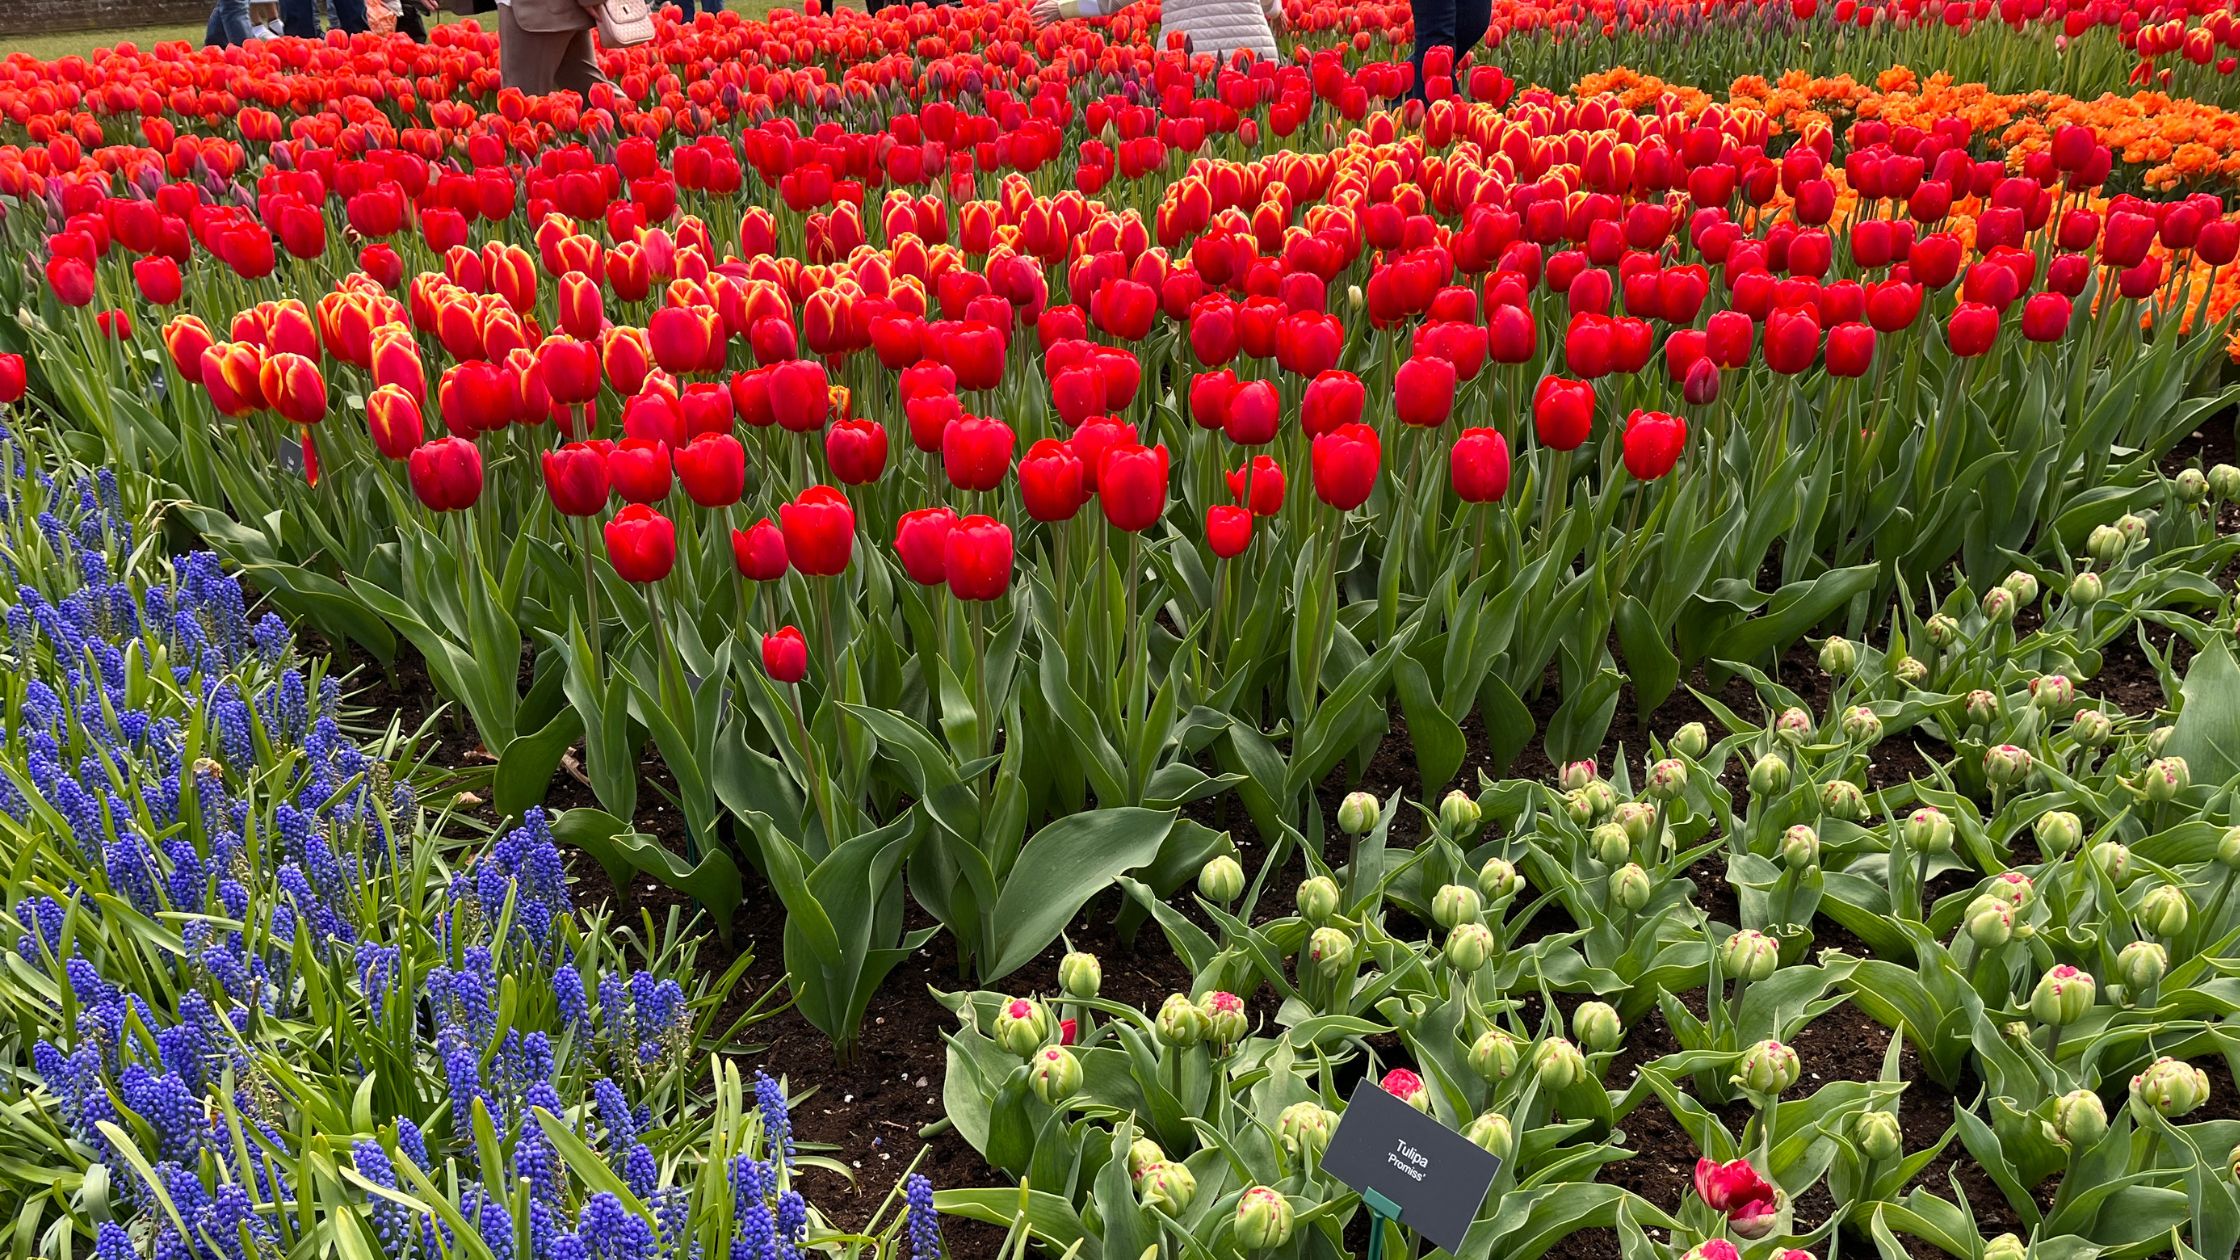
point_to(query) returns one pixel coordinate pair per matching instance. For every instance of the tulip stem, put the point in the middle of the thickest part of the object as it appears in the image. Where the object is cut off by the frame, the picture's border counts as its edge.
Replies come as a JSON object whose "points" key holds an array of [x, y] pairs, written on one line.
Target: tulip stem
{"points": [[591, 595]]}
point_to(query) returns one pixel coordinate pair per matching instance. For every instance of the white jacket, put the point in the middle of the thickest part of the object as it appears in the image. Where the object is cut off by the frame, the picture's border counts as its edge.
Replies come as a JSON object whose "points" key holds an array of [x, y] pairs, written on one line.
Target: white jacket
{"points": [[1214, 27]]}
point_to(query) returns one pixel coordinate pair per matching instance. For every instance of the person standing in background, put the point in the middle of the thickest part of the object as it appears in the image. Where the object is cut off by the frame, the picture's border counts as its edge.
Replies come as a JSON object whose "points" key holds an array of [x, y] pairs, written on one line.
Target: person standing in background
{"points": [[1215, 27], [1453, 24], [229, 25], [545, 45]]}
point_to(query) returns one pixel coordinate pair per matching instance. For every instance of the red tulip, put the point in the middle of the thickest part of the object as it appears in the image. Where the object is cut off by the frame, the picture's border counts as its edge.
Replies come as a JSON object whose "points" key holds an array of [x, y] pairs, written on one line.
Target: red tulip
{"points": [[1345, 465], [1210, 393], [1077, 393], [1726, 338], [977, 558], [1478, 465], [920, 539], [800, 395], [976, 452], [1228, 530], [1132, 485], [639, 469], [759, 552], [71, 278], [1850, 349], [474, 397], [856, 451], [570, 369], [785, 655], [1971, 329], [1050, 481], [1512, 337], [713, 469], [1562, 412], [158, 280], [2045, 317], [655, 416], [12, 379], [446, 474], [1213, 332], [231, 374], [1253, 413], [1266, 488], [1792, 341], [1308, 342], [293, 386], [1332, 400], [184, 339], [974, 351], [1653, 440], [575, 476], [820, 531], [1423, 391], [1124, 309], [627, 358], [641, 544]]}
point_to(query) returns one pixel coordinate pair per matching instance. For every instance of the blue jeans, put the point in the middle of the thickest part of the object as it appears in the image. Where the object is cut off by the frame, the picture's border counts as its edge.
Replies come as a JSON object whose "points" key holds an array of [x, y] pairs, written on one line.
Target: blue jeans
{"points": [[229, 24], [299, 18], [348, 16]]}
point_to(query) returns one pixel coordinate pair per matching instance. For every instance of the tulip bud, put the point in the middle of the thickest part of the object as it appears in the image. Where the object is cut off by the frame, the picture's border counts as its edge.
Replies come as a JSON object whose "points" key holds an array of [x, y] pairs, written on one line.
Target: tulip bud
{"points": [[2112, 858], [2133, 527], [1453, 904], [2091, 728], [1022, 1026], [1144, 1154], [1770, 776], [1927, 830], [2086, 589], [1982, 706], [1331, 952], [2156, 738], [1638, 819], [2024, 588], [1793, 724], [1596, 1026], [1910, 671], [2006, 1247], [1691, 740], [2007, 765], [2062, 997], [1612, 846], [2228, 850], [1629, 888], [1318, 899], [1768, 1068], [1942, 630], [1225, 1021], [1575, 775], [1304, 1129], [1056, 1074], [1749, 956], [1493, 1056], [1800, 848], [1838, 656], [1558, 1064], [1990, 922], [1878, 1135], [1459, 814], [2165, 779], [1668, 778], [2192, 486], [1357, 813], [2106, 544], [1264, 1219], [2141, 966], [1408, 1088], [1596, 799], [1080, 975], [1491, 1132], [1841, 798], [1862, 725], [2170, 1086], [2012, 888], [2052, 692], [1499, 881], [1167, 1187], [1221, 880], [2165, 912], [1999, 606], [2224, 482], [1469, 947], [2079, 1119], [1180, 1023]]}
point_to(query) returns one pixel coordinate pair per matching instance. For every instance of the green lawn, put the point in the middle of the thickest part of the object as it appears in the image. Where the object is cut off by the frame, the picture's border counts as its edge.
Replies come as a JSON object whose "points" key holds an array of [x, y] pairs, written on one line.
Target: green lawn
{"points": [[62, 44]]}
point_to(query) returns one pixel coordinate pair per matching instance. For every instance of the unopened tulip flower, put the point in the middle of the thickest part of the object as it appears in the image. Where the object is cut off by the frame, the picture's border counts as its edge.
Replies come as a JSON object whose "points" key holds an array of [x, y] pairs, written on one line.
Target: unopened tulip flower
{"points": [[1264, 1219], [1221, 879], [1493, 1056], [1054, 1074], [1317, 899], [1304, 1129], [446, 474], [1022, 1026], [2169, 1086], [1491, 1132]]}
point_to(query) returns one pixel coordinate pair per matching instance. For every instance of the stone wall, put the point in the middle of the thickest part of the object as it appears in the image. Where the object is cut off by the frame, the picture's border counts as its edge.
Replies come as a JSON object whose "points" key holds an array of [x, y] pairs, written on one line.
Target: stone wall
{"points": [[30, 17]]}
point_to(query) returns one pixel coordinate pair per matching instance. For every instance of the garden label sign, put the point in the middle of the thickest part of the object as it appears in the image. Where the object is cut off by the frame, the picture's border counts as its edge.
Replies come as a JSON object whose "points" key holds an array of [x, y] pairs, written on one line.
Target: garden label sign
{"points": [[1436, 1176]]}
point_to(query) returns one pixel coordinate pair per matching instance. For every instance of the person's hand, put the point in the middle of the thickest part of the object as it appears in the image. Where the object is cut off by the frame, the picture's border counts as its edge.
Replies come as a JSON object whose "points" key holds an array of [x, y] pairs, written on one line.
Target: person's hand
{"points": [[1045, 12]]}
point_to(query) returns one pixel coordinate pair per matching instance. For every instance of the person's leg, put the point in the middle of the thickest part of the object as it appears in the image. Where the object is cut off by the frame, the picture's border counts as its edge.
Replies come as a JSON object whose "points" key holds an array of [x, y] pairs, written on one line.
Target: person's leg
{"points": [[230, 19], [524, 57], [1435, 23], [410, 24], [350, 16], [213, 35], [1471, 18], [575, 64], [299, 18]]}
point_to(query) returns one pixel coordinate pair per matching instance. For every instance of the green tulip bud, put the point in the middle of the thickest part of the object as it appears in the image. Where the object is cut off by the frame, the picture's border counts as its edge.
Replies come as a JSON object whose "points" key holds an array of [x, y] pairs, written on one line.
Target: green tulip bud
{"points": [[2224, 482], [1454, 903], [2091, 728], [2006, 765], [1793, 724], [1927, 830], [1629, 887], [2052, 692], [2062, 997], [1999, 606], [1459, 814], [1841, 798], [2023, 586], [1357, 813], [1981, 706], [2058, 831], [2006, 1247], [1264, 1219], [1862, 725], [2156, 738], [1990, 922], [2133, 527], [1943, 631], [1612, 846], [1143, 1153], [1080, 975], [1837, 656], [1318, 899], [1558, 1064], [2228, 849], [1491, 1132], [1493, 1056], [1575, 775], [2106, 545], [1180, 1023], [1770, 776], [1593, 801], [2170, 1086], [2165, 779], [1691, 740], [1596, 1026], [1225, 1019], [1055, 1074], [1749, 956], [2113, 859], [2141, 966], [2232, 1162], [1878, 1135], [1639, 819], [2079, 1118], [1768, 1068], [1800, 848], [1469, 947], [1910, 671], [2165, 912], [2192, 486], [1499, 881], [1021, 1026], [2086, 589], [2011, 887], [1331, 952], [1168, 1187], [1668, 778], [1221, 880], [1304, 1129]]}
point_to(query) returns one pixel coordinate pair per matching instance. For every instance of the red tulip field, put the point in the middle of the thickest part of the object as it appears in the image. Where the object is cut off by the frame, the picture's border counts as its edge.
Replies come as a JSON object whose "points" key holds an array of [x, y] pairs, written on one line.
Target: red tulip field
{"points": [[929, 633]]}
